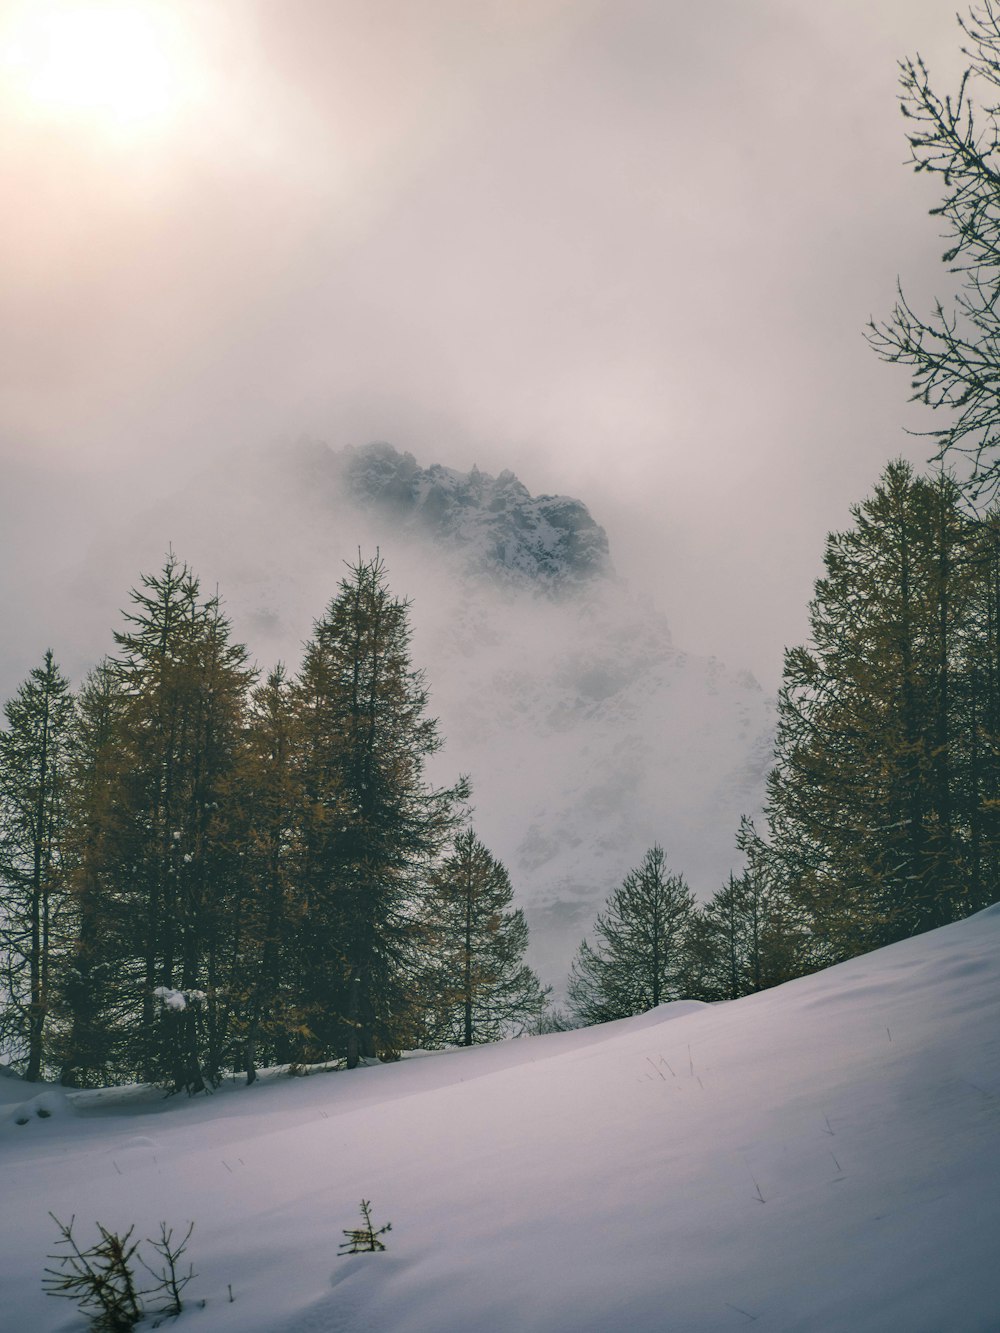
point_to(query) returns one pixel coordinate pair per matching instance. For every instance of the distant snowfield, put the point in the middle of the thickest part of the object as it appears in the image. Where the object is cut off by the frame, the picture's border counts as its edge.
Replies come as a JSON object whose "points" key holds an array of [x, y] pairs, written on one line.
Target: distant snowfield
{"points": [[823, 1156]]}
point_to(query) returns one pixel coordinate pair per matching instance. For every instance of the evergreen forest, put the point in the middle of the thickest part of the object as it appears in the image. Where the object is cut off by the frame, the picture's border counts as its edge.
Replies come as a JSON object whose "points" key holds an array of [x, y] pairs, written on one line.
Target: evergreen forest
{"points": [[202, 871]]}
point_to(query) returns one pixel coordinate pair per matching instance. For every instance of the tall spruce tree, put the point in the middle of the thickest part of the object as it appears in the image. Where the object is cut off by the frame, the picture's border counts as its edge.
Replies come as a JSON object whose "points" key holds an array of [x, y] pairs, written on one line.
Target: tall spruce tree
{"points": [[641, 958], [34, 748], [372, 826], [477, 987]]}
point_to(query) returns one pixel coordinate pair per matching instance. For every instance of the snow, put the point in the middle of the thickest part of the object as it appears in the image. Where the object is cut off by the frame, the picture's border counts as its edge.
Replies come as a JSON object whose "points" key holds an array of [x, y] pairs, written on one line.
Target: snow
{"points": [[170, 999], [823, 1156], [178, 999]]}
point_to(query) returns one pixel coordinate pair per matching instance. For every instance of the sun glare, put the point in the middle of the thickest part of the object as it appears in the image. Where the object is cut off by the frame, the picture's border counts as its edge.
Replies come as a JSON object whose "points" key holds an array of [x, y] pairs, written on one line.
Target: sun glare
{"points": [[118, 65]]}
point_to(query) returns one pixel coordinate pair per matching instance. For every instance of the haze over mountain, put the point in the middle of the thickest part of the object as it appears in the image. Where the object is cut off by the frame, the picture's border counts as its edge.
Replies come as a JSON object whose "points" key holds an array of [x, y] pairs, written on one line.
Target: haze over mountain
{"points": [[588, 734]]}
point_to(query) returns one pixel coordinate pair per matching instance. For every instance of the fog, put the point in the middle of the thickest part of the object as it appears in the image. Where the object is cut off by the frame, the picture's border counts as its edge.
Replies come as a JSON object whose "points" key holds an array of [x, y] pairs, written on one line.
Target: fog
{"points": [[626, 249]]}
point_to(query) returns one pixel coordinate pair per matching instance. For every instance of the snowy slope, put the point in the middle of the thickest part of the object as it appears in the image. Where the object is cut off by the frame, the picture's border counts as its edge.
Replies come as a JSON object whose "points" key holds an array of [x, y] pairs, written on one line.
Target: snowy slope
{"points": [[824, 1156]]}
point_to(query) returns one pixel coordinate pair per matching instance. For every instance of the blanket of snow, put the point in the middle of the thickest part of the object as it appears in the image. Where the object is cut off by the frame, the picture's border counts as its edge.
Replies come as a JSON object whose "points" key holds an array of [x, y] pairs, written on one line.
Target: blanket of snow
{"points": [[823, 1156]]}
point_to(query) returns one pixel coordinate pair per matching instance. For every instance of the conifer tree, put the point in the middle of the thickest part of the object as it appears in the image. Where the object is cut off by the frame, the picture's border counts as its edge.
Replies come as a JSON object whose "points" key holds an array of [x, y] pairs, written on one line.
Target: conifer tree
{"points": [[168, 861], [372, 826], [641, 959], [90, 996], [724, 943], [868, 807], [748, 936], [478, 985], [977, 705], [34, 748], [263, 983]]}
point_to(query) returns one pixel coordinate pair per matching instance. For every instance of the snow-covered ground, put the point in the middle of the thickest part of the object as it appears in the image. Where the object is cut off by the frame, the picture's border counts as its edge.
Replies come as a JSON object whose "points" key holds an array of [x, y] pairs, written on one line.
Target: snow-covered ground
{"points": [[824, 1156]]}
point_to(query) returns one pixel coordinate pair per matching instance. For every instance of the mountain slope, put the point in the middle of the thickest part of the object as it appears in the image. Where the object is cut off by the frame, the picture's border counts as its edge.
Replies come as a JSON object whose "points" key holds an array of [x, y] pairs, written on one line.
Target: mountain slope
{"points": [[818, 1157]]}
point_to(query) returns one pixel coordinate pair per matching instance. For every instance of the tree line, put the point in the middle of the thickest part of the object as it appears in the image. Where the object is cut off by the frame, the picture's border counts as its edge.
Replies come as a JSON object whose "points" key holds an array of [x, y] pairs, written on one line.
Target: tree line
{"points": [[653, 943], [203, 871]]}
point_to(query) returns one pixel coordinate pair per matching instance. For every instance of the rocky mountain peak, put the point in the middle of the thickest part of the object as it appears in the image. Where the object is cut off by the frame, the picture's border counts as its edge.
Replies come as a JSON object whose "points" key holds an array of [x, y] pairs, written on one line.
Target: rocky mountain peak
{"points": [[498, 526]]}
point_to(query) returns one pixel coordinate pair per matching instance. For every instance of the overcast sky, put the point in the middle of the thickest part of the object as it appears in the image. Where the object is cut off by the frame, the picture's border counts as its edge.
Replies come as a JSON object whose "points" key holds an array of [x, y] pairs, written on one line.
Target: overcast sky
{"points": [[624, 247]]}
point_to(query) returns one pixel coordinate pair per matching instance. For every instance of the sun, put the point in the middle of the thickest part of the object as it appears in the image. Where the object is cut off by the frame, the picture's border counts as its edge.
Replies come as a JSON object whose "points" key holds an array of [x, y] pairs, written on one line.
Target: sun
{"points": [[118, 66]]}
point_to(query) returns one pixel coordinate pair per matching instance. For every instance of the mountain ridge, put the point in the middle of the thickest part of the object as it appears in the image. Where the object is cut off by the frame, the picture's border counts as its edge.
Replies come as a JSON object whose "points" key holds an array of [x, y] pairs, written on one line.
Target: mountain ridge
{"points": [[505, 532]]}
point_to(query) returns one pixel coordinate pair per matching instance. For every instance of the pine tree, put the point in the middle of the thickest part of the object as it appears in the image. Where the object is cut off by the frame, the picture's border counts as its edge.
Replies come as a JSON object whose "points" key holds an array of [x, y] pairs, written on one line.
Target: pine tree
{"points": [[372, 826], [482, 988], [33, 773], [642, 959]]}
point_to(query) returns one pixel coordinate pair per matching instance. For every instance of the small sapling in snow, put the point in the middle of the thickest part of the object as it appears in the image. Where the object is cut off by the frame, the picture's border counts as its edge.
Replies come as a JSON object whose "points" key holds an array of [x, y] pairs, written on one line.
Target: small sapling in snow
{"points": [[100, 1279], [169, 1281], [364, 1240]]}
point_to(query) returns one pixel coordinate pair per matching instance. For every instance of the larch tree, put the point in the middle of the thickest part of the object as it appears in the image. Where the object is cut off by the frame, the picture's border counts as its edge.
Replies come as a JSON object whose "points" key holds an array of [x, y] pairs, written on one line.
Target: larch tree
{"points": [[724, 943], [749, 935], [976, 701], [267, 910], [870, 804], [34, 751], [477, 986], [169, 858], [93, 1006], [640, 958], [372, 826]]}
